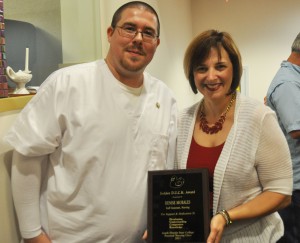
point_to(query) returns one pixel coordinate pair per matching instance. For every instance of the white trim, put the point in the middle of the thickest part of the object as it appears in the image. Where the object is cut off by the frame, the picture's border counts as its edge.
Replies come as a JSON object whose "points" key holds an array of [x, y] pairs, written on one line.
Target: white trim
{"points": [[245, 81]]}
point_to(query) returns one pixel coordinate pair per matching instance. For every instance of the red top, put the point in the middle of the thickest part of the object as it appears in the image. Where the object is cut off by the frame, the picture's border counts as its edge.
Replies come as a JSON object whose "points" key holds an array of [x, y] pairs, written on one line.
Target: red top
{"points": [[204, 157]]}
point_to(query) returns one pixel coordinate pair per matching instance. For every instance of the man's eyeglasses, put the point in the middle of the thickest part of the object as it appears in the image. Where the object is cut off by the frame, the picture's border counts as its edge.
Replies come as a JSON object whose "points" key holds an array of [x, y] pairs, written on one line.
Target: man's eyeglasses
{"points": [[130, 32]]}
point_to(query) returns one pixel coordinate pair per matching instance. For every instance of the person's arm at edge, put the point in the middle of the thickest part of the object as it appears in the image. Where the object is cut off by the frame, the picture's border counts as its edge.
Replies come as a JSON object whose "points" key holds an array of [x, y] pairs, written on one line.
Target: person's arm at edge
{"points": [[26, 185], [295, 134]]}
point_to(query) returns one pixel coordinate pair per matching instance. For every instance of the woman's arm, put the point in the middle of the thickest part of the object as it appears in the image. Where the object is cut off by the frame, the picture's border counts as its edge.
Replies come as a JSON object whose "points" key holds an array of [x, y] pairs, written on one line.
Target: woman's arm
{"points": [[264, 204], [274, 169]]}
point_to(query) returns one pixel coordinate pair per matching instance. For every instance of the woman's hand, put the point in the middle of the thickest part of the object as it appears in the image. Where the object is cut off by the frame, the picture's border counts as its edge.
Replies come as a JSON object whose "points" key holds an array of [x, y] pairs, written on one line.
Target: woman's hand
{"points": [[217, 225]]}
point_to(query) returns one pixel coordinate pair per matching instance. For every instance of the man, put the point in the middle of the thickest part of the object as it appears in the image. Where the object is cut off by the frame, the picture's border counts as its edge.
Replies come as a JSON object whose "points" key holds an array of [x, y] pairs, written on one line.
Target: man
{"points": [[284, 98], [84, 144]]}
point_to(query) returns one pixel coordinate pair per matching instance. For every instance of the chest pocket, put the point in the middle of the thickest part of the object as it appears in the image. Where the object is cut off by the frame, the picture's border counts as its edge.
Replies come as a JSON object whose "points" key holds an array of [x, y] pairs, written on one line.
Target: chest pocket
{"points": [[158, 153]]}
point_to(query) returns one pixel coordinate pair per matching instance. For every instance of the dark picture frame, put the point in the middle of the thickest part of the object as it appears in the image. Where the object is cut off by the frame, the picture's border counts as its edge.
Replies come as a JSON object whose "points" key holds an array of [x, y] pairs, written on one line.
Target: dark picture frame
{"points": [[178, 206]]}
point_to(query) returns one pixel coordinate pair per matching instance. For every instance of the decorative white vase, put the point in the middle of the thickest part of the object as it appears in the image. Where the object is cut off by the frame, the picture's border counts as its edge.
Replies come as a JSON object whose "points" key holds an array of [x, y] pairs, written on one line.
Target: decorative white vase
{"points": [[20, 78]]}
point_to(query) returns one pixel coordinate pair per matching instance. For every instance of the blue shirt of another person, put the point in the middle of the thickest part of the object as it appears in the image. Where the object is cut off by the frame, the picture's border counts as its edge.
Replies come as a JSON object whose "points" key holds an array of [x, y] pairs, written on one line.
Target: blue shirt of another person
{"points": [[283, 97]]}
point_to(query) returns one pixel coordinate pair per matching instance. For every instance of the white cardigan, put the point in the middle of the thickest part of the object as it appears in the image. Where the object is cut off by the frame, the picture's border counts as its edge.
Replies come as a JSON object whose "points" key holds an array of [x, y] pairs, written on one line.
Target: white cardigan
{"points": [[255, 158]]}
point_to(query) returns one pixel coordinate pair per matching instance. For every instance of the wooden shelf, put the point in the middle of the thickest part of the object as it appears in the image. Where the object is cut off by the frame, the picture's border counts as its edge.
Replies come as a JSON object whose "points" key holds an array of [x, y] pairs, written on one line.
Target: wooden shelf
{"points": [[14, 103]]}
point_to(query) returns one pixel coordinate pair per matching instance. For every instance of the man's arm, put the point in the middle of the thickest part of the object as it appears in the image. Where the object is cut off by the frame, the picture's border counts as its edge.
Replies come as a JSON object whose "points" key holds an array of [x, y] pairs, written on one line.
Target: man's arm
{"points": [[26, 185]]}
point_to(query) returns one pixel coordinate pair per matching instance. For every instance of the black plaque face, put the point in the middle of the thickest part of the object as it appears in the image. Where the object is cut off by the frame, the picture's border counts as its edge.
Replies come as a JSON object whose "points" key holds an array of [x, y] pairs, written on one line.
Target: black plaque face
{"points": [[178, 206]]}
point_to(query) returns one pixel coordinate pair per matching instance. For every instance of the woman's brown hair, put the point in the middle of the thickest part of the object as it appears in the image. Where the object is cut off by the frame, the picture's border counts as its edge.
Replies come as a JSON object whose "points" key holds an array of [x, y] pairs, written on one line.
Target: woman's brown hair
{"points": [[199, 49]]}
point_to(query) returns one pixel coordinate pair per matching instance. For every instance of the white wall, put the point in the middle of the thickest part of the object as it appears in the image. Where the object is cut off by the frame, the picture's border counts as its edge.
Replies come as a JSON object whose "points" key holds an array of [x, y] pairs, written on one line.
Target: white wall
{"points": [[80, 27], [176, 33]]}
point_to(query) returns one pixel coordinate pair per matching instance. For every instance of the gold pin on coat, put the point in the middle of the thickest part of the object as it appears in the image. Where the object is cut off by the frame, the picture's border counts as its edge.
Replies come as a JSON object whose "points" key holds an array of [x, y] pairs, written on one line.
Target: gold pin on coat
{"points": [[157, 105]]}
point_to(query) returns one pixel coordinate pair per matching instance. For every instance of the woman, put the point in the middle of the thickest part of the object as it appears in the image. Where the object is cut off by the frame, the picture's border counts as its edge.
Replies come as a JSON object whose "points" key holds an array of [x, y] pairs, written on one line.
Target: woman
{"points": [[239, 140]]}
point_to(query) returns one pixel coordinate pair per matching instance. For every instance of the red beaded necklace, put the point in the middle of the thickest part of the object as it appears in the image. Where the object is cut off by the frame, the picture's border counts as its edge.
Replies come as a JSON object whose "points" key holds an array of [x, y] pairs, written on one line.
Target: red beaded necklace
{"points": [[219, 124]]}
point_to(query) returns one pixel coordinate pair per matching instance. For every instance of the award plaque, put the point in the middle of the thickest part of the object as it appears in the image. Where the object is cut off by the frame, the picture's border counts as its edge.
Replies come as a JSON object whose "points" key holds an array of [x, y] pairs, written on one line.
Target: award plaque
{"points": [[178, 206]]}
